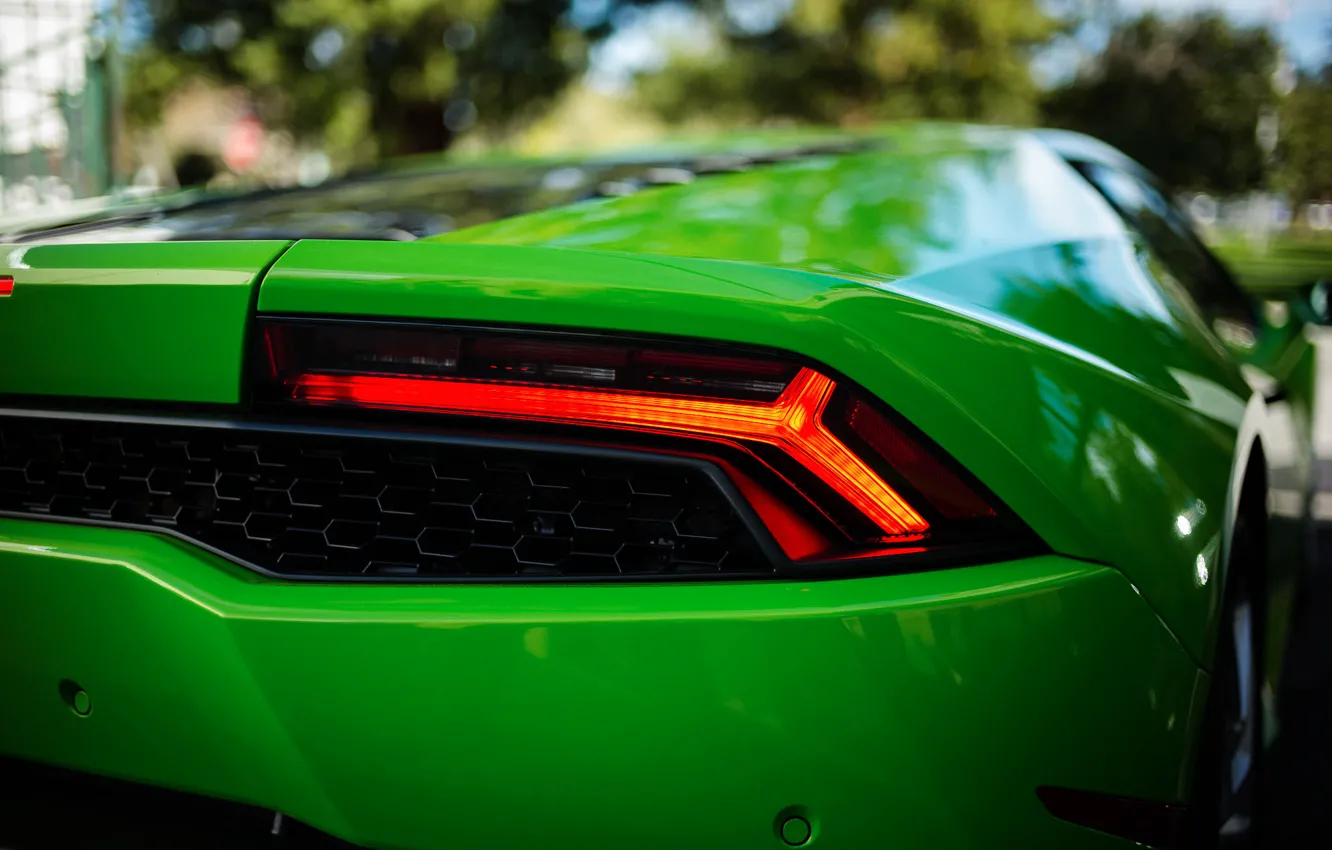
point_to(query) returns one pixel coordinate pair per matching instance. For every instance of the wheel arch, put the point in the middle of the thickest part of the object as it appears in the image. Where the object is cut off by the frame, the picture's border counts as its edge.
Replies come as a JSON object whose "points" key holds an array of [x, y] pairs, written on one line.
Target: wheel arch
{"points": [[1247, 501]]}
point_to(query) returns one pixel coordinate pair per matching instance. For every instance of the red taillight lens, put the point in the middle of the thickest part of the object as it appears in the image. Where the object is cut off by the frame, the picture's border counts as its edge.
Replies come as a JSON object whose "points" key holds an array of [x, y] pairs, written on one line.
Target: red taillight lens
{"points": [[938, 484], [792, 423], [817, 445]]}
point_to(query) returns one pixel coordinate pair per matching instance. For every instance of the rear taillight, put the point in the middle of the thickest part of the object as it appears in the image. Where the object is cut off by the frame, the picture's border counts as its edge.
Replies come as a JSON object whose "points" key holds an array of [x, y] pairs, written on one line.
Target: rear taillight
{"points": [[829, 474]]}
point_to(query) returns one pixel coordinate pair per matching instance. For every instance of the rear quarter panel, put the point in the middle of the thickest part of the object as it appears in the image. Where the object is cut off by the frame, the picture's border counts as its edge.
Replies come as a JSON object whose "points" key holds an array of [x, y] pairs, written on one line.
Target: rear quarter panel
{"points": [[1058, 374]]}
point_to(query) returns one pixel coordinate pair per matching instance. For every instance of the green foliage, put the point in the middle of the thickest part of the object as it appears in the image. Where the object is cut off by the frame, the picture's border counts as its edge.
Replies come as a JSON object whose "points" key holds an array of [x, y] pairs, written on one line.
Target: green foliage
{"points": [[1304, 170], [1183, 97], [1288, 262], [365, 77], [844, 61]]}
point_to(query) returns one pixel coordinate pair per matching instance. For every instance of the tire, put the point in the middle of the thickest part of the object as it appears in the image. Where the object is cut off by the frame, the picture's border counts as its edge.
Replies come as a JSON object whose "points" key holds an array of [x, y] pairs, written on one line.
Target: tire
{"points": [[1226, 798]]}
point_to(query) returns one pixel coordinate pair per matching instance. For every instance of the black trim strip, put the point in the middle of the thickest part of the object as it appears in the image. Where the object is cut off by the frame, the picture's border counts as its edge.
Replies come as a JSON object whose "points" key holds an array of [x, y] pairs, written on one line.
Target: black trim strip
{"points": [[784, 569], [1150, 822], [771, 551], [251, 329]]}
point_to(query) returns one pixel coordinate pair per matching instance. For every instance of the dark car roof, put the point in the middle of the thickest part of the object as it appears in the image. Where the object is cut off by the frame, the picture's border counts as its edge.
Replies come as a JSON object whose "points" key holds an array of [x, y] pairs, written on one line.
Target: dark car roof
{"points": [[917, 198], [423, 197], [895, 200]]}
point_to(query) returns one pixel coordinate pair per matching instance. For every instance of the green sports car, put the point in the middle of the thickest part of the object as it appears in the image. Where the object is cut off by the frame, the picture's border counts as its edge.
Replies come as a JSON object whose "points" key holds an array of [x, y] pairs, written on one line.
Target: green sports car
{"points": [[925, 487]]}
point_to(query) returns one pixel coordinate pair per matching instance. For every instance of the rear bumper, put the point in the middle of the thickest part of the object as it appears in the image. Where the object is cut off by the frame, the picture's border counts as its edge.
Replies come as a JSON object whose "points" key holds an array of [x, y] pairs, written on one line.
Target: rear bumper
{"points": [[914, 710]]}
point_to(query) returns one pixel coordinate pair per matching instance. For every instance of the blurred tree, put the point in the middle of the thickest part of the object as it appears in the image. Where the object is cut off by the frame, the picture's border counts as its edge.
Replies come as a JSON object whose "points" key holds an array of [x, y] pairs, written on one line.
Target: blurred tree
{"points": [[1304, 169], [1183, 97], [849, 61], [369, 77]]}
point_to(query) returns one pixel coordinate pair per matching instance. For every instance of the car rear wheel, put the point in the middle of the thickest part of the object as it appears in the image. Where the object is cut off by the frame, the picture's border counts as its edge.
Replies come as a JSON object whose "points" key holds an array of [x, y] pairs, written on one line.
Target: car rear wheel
{"points": [[1226, 791]]}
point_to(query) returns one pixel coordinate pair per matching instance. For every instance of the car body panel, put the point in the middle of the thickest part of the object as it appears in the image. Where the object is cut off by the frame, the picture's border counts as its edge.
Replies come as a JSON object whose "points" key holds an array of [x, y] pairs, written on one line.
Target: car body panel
{"points": [[1099, 421], [1278, 362], [152, 322], [968, 277], [916, 709]]}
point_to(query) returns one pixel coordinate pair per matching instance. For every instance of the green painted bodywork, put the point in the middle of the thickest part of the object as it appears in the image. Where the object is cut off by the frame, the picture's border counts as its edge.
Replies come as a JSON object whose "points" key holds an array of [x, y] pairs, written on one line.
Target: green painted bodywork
{"points": [[1061, 434], [149, 321], [915, 710], [969, 278], [987, 294]]}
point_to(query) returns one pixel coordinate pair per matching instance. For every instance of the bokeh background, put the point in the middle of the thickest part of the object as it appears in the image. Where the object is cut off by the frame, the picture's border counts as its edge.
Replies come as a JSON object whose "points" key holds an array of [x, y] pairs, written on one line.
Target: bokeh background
{"points": [[1230, 101]]}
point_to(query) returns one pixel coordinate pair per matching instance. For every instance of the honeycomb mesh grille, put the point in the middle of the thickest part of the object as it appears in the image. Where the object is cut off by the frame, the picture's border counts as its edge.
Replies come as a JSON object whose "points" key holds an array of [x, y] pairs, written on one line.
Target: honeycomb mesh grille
{"points": [[309, 505]]}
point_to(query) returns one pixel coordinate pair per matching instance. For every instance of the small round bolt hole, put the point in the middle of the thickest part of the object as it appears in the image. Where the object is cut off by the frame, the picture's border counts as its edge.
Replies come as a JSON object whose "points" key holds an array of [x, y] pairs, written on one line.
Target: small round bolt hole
{"points": [[795, 831], [795, 826], [75, 697]]}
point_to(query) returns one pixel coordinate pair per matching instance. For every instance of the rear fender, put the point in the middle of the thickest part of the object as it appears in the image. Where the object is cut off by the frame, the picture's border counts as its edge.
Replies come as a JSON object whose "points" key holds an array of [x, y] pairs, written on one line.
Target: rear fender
{"points": [[1107, 424]]}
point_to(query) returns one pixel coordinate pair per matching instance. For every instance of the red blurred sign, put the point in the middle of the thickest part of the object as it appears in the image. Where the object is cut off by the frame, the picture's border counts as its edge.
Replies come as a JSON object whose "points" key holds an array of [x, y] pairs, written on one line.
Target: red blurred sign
{"points": [[244, 144]]}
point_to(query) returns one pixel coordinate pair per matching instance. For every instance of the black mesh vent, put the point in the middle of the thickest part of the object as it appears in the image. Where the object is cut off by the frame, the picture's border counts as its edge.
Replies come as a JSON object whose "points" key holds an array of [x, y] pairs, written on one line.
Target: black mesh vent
{"points": [[336, 506]]}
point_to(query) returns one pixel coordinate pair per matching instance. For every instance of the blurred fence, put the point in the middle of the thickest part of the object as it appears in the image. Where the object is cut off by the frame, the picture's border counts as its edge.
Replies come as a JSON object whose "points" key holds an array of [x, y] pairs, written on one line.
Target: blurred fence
{"points": [[1259, 216], [57, 125]]}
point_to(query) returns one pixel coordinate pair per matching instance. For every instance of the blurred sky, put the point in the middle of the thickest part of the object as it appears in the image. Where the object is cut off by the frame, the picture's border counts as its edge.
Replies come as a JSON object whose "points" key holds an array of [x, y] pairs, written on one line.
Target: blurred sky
{"points": [[41, 55], [1305, 26]]}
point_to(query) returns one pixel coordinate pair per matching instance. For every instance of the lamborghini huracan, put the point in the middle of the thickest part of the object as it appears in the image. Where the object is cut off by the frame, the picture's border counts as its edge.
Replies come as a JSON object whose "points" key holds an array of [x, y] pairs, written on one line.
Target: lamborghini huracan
{"points": [[925, 487]]}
